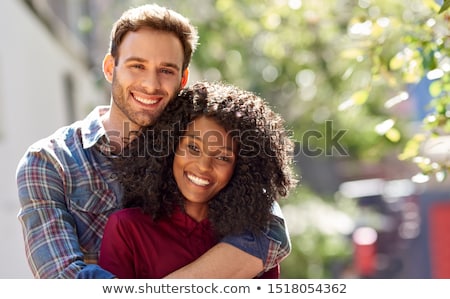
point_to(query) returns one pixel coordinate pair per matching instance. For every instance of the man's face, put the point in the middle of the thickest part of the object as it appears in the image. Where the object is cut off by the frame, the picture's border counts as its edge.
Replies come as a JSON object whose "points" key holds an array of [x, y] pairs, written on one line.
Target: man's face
{"points": [[148, 75]]}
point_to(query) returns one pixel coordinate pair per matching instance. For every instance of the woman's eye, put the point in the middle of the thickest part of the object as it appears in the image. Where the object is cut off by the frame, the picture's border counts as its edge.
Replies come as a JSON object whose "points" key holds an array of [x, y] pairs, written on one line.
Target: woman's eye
{"points": [[223, 158], [193, 148]]}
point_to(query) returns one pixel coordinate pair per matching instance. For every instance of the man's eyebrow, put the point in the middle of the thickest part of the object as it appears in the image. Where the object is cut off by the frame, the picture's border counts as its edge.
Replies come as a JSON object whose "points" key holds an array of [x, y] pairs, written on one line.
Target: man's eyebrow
{"points": [[172, 65], [135, 58], [140, 59]]}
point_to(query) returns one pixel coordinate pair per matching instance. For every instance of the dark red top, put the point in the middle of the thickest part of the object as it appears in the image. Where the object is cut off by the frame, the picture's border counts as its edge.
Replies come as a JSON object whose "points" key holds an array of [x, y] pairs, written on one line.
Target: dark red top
{"points": [[135, 246]]}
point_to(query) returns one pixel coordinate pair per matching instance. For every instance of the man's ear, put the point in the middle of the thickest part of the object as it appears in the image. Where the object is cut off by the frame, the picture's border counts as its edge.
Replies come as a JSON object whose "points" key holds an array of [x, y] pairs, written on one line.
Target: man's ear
{"points": [[108, 67], [184, 78]]}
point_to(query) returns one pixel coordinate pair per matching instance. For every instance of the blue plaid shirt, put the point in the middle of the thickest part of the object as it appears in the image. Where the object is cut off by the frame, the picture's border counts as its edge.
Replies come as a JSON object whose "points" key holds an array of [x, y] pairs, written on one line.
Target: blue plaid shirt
{"points": [[67, 191]]}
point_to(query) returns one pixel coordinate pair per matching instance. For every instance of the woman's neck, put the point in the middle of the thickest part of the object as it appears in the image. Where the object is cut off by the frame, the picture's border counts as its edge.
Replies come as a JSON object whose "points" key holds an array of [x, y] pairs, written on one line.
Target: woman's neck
{"points": [[197, 211]]}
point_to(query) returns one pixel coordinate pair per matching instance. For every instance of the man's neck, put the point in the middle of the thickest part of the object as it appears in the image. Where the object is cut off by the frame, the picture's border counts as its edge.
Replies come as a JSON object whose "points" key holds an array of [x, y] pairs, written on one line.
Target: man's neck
{"points": [[119, 132]]}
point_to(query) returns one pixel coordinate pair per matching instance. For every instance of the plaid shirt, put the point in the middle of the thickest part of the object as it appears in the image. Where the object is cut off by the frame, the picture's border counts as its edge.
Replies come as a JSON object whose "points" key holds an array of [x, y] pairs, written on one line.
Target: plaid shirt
{"points": [[67, 191]]}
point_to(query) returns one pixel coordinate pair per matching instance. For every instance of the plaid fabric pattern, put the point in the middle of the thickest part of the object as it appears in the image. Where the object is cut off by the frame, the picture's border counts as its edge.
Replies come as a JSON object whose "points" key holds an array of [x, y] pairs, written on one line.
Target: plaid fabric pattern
{"points": [[66, 191], [272, 246], [280, 243]]}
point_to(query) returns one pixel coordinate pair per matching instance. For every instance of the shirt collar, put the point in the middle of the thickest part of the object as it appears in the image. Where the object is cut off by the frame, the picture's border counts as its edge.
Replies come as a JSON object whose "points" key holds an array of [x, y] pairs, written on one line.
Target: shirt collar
{"points": [[92, 129], [188, 225]]}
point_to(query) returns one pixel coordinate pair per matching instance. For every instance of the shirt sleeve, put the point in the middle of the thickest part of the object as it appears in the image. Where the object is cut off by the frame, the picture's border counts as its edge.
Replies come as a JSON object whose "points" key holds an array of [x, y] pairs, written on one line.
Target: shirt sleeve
{"points": [[49, 229], [273, 273], [49, 232], [272, 246], [93, 271]]}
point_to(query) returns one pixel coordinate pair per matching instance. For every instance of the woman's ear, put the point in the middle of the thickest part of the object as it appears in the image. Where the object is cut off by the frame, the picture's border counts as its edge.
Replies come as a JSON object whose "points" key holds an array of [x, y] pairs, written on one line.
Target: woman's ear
{"points": [[108, 67], [184, 78]]}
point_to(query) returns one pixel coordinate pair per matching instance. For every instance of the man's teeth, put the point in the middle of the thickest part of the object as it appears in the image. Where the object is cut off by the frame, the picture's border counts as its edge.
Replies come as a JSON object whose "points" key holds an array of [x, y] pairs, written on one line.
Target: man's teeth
{"points": [[197, 180], [146, 101]]}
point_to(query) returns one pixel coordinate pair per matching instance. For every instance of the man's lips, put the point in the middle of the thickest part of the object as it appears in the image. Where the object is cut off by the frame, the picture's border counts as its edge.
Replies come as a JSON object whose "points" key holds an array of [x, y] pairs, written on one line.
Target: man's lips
{"points": [[146, 100]]}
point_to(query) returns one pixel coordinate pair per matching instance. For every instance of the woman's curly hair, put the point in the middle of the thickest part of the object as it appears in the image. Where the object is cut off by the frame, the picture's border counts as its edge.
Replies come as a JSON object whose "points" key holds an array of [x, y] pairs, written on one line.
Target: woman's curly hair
{"points": [[263, 172]]}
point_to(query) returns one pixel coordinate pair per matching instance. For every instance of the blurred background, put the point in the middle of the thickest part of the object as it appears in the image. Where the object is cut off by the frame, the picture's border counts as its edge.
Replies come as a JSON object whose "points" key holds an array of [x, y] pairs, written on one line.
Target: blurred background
{"points": [[363, 85]]}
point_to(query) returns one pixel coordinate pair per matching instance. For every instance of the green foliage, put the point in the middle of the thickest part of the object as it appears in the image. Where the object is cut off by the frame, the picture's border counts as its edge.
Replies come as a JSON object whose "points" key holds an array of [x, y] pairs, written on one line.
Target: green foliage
{"points": [[320, 231], [432, 44], [346, 61], [445, 6]]}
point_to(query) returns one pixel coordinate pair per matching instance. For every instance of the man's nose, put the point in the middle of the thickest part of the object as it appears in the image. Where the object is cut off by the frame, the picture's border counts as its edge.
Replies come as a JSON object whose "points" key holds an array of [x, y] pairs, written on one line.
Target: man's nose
{"points": [[151, 81]]}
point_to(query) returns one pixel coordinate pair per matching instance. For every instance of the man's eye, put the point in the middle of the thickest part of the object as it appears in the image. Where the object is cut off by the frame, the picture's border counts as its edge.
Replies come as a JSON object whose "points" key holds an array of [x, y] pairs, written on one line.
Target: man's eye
{"points": [[167, 71], [138, 66]]}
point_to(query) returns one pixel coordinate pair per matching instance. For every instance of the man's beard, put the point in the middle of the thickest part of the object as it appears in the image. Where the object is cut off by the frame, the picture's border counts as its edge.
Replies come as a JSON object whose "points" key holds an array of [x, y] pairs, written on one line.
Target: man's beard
{"points": [[141, 118]]}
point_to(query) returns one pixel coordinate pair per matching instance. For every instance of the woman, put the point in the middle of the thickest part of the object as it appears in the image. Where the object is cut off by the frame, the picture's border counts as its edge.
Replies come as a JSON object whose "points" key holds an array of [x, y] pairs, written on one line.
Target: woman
{"points": [[225, 158]]}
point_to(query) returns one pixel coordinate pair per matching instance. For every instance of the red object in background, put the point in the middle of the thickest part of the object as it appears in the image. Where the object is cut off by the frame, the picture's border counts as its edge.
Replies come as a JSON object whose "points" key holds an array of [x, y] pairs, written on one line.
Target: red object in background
{"points": [[364, 257], [439, 232], [364, 260]]}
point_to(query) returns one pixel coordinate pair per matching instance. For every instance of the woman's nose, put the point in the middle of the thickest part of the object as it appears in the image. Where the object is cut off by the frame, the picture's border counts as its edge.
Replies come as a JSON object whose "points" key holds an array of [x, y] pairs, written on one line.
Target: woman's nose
{"points": [[204, 162]]}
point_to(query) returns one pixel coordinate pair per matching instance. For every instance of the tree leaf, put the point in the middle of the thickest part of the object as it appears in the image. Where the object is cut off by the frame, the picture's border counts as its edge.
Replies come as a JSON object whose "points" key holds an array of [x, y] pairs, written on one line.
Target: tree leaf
{"points": [[444, 6]]}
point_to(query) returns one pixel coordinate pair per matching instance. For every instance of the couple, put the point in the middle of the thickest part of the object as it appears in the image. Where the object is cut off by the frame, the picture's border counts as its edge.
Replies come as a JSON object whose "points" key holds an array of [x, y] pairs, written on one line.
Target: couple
{"points": [[70, 183]]}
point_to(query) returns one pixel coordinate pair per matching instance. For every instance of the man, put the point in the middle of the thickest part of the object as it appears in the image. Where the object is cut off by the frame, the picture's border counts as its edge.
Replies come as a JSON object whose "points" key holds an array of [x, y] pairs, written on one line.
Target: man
{"points": [[66, 186]]}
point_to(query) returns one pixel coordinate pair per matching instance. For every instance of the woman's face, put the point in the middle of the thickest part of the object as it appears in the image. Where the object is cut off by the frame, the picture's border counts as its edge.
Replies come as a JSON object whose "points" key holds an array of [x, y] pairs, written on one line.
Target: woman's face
{"points": [[204, 161]]}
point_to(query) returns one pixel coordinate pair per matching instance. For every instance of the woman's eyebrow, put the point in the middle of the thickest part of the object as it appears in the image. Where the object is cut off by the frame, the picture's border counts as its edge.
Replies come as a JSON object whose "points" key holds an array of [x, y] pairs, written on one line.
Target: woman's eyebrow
{"points": [[195, 136]]}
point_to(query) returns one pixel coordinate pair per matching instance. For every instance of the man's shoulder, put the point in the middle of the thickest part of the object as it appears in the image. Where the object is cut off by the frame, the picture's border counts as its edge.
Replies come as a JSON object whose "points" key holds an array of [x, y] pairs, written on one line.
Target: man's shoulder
{"points": [[69, 135], [55, 139]]}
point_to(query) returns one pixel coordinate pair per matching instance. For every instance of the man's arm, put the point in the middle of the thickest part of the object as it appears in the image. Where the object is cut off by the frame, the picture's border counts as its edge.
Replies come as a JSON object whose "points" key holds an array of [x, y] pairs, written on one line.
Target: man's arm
{"points": [[242, 256], [221, 261], [49, 228]]}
